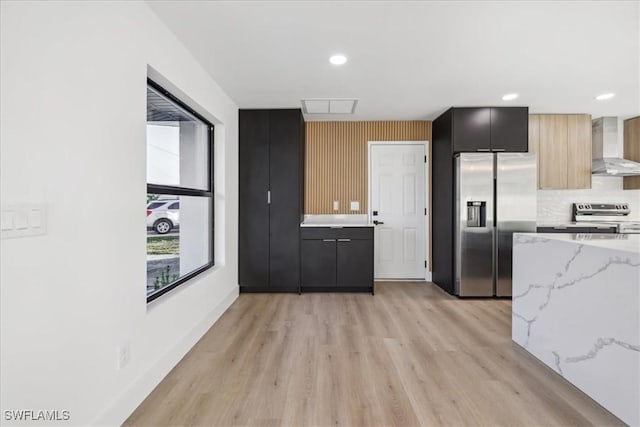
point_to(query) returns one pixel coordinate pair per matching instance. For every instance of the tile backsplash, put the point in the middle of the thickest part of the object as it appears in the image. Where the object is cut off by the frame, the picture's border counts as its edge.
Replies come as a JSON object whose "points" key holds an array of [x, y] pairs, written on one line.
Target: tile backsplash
{"points": [[554, 206]]}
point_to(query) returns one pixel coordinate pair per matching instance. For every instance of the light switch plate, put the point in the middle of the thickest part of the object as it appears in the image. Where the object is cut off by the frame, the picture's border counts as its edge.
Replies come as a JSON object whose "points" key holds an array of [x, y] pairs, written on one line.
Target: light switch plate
{"points": [[336, 205], [7, 222], [23, 220], [355, 205]]}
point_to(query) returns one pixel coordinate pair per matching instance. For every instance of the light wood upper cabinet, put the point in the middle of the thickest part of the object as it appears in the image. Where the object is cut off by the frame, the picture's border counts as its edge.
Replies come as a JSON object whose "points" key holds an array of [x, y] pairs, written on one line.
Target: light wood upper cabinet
{"points": [[632, 150], [562, 143], [579, 151], [553, 151]]}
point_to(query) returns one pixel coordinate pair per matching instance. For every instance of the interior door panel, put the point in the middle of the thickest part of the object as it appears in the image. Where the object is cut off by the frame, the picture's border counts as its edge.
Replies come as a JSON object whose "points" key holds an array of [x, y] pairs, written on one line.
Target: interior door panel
{"points": [[398, 183]]}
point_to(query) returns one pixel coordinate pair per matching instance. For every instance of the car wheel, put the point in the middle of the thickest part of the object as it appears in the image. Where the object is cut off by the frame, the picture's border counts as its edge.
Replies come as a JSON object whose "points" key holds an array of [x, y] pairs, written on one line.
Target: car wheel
{"points": [[163, 226]]}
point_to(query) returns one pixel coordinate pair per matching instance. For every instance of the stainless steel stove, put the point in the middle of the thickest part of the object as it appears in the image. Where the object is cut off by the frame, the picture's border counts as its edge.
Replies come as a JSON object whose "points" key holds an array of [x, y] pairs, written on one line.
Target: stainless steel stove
{"points": [[605, 214]]}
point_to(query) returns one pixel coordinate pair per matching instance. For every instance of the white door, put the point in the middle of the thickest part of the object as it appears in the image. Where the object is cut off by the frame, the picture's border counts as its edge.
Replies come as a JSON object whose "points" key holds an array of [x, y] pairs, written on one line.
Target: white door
{"points": [[397, 185]]}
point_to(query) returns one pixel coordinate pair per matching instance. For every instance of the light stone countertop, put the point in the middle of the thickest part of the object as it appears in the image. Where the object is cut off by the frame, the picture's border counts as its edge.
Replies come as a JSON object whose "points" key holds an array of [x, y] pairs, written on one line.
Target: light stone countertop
{"points": [[576, 308], [618, 242], [336, 221]]}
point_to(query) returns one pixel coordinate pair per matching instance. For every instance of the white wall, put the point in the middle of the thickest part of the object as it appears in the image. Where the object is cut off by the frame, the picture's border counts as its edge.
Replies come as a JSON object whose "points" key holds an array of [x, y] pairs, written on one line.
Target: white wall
{"points": [[73, 101]]}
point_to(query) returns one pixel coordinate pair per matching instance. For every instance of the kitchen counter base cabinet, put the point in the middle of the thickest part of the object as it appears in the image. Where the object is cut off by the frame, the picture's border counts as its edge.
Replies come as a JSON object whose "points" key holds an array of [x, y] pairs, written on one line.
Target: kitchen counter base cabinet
{"points": [[319, 262], [337, 259]]}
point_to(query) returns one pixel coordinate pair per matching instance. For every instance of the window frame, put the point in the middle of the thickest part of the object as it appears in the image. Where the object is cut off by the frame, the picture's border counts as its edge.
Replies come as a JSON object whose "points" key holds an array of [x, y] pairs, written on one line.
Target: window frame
{"points": [[186, 191]]}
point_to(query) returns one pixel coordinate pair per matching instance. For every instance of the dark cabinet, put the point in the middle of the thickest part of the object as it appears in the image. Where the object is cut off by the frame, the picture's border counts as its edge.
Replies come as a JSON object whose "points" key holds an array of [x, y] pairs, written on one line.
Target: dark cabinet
{"points": [[490, 129], [471, 129], [271, 153], [337, 259], [319, 262], [354, 263], [510, 129]]}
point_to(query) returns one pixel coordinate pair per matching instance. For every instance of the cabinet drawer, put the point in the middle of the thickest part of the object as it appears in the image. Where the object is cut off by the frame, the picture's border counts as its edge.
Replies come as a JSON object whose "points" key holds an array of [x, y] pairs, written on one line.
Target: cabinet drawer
{"points": [[355, 233], [314, 233]]}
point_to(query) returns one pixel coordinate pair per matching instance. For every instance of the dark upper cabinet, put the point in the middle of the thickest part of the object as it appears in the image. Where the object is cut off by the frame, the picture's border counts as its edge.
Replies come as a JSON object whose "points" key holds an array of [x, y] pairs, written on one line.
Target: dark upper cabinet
{"points": [[271, 153], [490, 129], [354, 262], [471, 129], [510, 129]]}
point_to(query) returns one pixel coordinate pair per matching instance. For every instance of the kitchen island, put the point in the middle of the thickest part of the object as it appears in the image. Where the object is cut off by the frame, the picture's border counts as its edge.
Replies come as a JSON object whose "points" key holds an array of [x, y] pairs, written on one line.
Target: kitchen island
{"points": [[576, 307]]}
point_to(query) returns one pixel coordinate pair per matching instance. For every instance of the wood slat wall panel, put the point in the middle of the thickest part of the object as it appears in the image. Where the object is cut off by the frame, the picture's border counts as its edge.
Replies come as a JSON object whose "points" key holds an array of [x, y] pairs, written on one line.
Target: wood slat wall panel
{"points": [[336, 160]]}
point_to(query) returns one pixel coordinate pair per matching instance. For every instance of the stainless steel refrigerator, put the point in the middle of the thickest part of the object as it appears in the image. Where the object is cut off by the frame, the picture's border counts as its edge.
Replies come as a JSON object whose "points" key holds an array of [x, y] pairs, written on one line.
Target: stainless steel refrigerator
{"points": [[495, 197]]}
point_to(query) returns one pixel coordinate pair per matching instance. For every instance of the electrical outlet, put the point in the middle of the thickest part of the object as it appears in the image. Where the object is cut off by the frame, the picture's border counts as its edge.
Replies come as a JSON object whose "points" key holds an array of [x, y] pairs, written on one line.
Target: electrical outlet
{"points": [[336, 205], [124, 355], [355, 205]]}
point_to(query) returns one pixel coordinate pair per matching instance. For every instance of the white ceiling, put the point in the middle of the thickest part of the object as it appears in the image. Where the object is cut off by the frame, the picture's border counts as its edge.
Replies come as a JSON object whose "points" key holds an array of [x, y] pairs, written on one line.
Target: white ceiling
{"points": [[412, 60]]}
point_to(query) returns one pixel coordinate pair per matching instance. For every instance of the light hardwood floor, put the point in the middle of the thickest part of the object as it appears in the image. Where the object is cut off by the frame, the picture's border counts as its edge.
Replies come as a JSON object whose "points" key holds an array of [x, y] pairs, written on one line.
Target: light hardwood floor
{"points": [[410, 355]]}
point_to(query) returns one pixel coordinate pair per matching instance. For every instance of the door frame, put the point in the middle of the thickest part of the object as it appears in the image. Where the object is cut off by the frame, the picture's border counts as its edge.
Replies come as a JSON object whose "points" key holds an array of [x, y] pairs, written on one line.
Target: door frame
{"points": [[427, 198]]}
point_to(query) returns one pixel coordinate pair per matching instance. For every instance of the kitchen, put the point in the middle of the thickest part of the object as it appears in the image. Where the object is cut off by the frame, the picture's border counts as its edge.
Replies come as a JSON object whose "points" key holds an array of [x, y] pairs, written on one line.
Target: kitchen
{"points": [[398, 213]]}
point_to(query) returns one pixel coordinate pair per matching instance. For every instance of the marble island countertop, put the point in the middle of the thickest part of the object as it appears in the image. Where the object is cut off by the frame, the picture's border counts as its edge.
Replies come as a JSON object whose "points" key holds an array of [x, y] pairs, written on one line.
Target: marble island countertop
{"points": [[619, 242], [576, 307], [336, 221]]}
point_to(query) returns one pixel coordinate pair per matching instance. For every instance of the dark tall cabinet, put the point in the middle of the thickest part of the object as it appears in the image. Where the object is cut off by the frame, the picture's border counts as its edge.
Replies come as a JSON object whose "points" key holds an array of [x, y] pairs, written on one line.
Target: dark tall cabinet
{"points": [[271, 156], [459, 130]]}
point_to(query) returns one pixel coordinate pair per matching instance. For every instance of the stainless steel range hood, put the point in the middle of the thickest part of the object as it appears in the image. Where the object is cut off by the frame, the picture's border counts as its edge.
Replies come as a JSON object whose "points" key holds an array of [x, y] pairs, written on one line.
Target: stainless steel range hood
{"points": [[606, 152]]}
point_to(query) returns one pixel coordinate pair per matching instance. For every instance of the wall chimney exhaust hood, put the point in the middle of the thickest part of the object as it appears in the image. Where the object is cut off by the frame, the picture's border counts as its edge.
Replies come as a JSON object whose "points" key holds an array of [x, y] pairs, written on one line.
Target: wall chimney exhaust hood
{"points": [[607, 156]]}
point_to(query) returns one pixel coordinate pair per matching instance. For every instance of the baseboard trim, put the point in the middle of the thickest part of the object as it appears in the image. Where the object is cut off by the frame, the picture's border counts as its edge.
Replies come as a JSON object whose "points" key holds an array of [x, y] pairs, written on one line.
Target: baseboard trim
{"points": [[124, 405], [267, 290], [336, 289]]}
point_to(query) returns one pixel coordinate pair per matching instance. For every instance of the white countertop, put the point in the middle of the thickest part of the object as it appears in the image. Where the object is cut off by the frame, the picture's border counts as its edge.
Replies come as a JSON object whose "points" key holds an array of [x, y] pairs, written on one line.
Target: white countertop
{"points": [[576, 308], [336, 221], [618, 242]]}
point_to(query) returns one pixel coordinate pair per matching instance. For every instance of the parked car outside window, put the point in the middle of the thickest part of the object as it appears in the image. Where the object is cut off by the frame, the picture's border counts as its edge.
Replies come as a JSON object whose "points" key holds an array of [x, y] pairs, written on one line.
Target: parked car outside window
{"points": [[163, 215]]}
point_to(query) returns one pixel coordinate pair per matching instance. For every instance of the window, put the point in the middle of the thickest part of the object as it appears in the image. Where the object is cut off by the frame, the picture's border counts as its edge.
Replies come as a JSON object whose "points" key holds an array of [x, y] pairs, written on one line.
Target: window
{"points": [[154, 205], [179, 192]]}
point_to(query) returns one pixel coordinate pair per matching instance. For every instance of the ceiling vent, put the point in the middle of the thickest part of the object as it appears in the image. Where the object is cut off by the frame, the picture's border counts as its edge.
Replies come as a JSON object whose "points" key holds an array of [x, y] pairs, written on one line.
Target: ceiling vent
{"points": [[329, 106]]}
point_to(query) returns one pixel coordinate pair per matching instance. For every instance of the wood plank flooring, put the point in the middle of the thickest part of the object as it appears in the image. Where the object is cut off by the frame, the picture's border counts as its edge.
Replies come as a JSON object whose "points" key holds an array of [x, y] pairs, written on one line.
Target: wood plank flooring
{"points": [[410, 355]]}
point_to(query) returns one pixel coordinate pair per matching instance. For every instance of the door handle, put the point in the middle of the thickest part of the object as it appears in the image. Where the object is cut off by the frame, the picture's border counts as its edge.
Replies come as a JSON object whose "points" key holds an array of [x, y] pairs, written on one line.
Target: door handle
{"points": [[499, 149], [344, 240], [376, 222], [328, 240], [483, 149], [268, 197]]}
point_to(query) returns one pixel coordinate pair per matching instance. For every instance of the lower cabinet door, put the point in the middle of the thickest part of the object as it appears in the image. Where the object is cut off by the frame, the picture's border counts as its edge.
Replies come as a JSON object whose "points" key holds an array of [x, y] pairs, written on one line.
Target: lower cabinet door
{"points": [[355, 263], [319, 262]]}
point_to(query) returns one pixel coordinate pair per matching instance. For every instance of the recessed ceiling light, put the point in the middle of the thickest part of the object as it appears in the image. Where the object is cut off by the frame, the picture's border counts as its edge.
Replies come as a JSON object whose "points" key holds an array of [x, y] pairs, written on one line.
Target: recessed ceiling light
{"points": [[510, 97], [338, 59], [604, 96]]}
